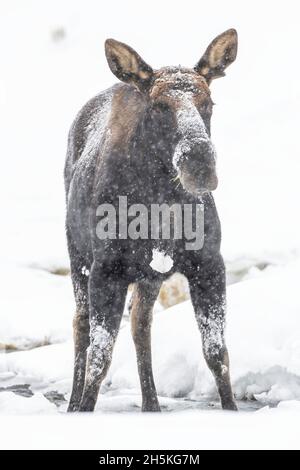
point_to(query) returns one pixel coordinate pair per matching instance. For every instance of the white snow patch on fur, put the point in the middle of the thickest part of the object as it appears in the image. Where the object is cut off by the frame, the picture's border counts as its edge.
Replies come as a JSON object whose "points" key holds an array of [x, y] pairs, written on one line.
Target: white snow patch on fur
{"points": [[161, 262], [191, 127]]}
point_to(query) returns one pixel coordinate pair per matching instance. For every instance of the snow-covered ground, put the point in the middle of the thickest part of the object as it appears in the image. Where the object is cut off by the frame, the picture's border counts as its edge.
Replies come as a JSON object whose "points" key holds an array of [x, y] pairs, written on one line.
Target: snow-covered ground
{"points": [[52, 61], [262, 335]]}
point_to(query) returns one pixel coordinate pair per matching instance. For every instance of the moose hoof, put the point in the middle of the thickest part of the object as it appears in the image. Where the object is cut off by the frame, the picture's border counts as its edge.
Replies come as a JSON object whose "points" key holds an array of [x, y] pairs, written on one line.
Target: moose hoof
{"points": [[230, 406], [87, 406], [151, 407], [72, 408]]}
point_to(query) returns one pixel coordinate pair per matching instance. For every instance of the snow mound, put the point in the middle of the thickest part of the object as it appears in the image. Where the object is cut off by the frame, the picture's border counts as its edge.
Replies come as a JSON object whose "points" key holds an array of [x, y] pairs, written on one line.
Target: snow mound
{"points": [[14, 404], [38, 311]]}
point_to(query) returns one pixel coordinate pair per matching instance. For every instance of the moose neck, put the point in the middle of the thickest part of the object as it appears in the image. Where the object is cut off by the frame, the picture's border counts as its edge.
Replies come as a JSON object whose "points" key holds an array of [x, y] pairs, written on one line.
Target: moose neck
{"points": [[151, 163]]}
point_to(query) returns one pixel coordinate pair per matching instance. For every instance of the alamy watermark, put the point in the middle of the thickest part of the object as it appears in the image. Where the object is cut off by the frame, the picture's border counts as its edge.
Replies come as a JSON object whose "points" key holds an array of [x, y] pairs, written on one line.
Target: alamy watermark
{"points": [[158, 221]]}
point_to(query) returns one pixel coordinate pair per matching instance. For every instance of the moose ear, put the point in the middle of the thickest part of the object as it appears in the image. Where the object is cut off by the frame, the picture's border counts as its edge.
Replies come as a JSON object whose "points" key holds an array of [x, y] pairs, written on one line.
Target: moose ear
{"points": [[127, 65], [220, 53]]}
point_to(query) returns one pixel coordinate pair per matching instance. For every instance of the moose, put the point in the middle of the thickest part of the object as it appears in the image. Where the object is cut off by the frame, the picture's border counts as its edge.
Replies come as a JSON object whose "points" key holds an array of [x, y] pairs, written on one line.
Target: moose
{"points": [[147, 138]]}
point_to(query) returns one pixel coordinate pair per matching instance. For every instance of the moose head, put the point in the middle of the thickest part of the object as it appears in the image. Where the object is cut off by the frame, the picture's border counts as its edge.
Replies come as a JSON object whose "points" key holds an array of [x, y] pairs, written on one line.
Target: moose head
{"points": [[179, 107]]}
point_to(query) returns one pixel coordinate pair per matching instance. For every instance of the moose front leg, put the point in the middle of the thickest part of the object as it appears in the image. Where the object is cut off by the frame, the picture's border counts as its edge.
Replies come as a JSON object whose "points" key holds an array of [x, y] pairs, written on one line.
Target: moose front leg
{"points": [[81, 326], [81, 330], [106, 299], [144, 296], [208, 293]]}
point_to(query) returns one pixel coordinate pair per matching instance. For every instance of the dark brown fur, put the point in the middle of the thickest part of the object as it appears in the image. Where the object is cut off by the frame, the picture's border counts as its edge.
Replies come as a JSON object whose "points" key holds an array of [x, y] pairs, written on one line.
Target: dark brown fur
{"points": [[134, 157]]}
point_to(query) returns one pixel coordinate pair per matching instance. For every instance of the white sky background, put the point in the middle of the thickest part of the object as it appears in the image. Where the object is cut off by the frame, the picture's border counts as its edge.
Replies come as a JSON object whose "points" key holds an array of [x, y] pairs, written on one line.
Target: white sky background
{"points": [[255, 123]]}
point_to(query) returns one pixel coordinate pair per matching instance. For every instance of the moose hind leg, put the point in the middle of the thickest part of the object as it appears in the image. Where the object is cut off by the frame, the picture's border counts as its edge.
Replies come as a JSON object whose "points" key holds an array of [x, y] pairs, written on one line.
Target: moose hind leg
{"points": [[107, 298], [144, 296], [208, 295]]}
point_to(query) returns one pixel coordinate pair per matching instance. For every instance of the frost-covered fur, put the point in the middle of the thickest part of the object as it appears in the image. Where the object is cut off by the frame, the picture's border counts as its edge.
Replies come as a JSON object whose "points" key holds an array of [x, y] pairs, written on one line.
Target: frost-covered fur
{"points": [[135, 140], [191, 128]]}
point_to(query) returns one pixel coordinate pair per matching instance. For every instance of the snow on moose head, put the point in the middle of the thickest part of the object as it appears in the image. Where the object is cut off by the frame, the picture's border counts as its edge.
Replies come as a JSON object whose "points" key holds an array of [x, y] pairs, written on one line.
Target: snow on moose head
{"points": [[178, 107]]}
